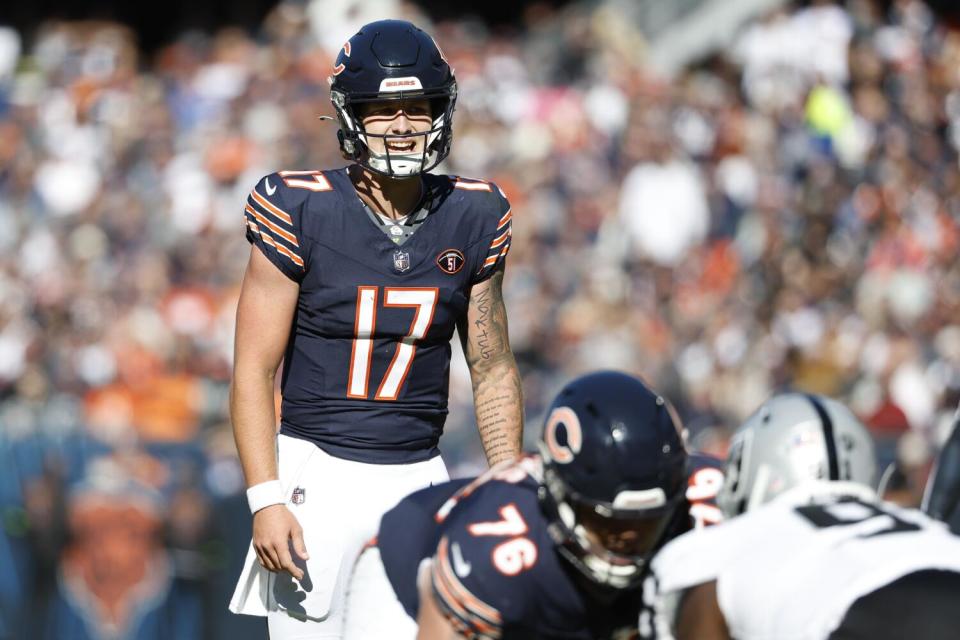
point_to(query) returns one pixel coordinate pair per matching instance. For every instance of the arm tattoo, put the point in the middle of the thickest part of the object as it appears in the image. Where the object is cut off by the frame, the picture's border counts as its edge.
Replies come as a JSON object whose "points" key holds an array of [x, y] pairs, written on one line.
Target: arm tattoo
{"points": [[487, 330], [497, 392], [481, 324]]}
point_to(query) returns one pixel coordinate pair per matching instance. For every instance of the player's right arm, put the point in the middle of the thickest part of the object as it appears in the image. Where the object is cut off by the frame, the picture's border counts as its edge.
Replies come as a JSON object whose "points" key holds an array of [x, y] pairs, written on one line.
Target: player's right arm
{"points": [[268, 301], [431, 623], [497, 389], [699, 616]]}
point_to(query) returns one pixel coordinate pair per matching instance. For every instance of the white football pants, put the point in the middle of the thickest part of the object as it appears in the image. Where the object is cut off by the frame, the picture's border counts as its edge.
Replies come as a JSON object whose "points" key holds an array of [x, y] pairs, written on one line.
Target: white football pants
{"points": [[339, 504]]}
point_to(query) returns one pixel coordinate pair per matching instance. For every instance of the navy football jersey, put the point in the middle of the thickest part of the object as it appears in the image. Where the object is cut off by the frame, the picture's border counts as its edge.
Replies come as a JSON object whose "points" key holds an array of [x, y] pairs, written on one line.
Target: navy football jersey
{"points": [[496, 572], [366, 370]]}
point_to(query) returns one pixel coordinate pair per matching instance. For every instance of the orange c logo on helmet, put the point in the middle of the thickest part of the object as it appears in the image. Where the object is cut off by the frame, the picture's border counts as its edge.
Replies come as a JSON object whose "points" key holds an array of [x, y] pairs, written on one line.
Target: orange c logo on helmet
{"points": [[337, 70], [567, 417]]}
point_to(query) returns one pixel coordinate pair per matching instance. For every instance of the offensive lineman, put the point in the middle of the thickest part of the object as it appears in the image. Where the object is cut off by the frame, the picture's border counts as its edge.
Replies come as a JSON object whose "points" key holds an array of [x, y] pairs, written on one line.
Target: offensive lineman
{"points": [[553, 546], [357, 279]]}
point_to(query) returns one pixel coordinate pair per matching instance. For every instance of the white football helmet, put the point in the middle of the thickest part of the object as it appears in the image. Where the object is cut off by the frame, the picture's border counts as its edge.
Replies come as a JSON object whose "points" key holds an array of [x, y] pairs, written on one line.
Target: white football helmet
{"points": [[791, 440]]}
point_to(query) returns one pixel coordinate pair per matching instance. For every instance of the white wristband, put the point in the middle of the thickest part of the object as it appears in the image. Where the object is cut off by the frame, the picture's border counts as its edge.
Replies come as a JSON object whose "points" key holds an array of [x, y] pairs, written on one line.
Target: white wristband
{"points": [[265, 494]]}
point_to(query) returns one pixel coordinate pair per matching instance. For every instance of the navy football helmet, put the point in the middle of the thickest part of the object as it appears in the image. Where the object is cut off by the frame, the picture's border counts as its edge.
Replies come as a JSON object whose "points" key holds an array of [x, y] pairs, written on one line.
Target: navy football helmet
{"points": [[393, 60], [614, 475]]}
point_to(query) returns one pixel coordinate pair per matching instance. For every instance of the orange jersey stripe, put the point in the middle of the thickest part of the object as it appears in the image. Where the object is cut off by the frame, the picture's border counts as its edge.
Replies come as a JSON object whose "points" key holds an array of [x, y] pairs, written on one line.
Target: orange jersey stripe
{"points": [[465, 492], [477, 606], [507, 217], [499, 240], [290, 254], [286, 235], [466, 619], [493, 257], [443, 590], [462, 628], [297, 260], [271, 208]]}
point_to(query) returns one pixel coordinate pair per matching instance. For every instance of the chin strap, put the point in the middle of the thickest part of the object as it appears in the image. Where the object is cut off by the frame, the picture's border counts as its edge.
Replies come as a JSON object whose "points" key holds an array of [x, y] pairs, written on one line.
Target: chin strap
{"points": [[575, 550]]}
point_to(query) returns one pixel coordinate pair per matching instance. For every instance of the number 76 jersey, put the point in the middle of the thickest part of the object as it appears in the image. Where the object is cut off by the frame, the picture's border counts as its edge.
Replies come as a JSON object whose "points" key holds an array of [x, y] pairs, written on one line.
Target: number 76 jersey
{"points": [[366, 369]]}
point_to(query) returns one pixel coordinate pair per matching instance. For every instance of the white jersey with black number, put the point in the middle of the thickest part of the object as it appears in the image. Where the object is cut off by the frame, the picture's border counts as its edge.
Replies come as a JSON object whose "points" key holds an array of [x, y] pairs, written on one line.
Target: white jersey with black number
{"points": [[790, 570]]}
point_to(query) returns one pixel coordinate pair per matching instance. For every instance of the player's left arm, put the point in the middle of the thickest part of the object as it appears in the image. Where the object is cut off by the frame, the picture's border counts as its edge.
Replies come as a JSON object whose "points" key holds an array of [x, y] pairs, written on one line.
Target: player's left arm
{"points": [[497, 394]]}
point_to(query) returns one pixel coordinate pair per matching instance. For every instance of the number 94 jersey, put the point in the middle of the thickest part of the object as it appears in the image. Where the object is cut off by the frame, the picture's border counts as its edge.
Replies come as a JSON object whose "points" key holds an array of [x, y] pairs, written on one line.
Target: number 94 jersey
{"points": [[367, 365]]}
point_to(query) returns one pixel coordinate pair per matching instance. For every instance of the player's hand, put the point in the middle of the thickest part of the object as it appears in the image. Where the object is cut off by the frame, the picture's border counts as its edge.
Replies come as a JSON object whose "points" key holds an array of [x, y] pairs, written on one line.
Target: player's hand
{"points": [[274, 528]]}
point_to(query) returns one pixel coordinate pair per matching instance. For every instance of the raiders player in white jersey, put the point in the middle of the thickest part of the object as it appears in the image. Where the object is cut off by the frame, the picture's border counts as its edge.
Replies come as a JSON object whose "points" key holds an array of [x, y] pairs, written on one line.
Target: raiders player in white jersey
{"points": [[816, 554]]}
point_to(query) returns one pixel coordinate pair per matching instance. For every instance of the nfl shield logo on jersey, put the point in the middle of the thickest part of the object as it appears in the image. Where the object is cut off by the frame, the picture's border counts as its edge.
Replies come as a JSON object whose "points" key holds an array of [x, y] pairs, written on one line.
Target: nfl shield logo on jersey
{"points": [[299, 495], [401, 261]]}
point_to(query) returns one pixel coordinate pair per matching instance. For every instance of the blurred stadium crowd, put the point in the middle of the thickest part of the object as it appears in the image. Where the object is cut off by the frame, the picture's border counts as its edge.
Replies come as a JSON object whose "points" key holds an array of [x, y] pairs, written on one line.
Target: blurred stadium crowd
{"points": [[783, 215]]}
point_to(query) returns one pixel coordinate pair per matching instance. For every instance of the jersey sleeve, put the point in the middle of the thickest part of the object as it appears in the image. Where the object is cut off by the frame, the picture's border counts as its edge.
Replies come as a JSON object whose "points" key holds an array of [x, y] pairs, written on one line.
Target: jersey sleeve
{"points": [[492, 249], [483, 574], [274, 225], [464, 601], [704, 482], [408, 534]]}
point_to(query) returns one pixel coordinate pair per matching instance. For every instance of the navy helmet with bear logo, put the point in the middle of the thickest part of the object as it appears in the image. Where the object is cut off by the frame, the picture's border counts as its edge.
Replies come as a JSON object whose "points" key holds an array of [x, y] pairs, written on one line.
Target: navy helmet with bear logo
{"points": [[393, 60], [614, 475]]}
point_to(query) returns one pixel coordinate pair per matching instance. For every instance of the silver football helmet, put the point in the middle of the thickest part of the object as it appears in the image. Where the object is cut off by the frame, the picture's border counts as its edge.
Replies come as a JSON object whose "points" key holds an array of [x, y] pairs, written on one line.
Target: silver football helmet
{"points": [[791, 440]]}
